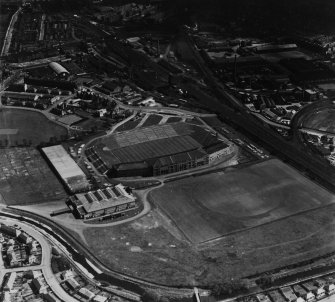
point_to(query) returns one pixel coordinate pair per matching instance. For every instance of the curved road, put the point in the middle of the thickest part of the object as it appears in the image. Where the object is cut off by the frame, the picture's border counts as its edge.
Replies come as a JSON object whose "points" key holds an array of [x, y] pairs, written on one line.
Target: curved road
{"points": [[45, 265]]}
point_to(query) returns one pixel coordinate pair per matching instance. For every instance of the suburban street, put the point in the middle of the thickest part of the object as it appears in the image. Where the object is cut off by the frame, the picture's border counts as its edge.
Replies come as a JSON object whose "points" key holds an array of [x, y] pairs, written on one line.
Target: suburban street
{"points": [[45, 265]]}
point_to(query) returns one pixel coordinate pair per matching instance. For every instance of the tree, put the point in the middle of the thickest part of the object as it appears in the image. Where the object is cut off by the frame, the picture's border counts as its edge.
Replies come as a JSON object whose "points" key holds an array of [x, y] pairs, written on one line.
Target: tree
{"points": [[164, 299], [264, 281], [151, 296], [228, 288]]}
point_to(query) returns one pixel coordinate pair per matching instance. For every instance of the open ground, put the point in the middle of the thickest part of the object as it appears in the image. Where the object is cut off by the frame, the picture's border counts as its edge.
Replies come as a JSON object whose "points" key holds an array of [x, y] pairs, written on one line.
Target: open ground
{"points": [[153, 247], [25, 178], [213, 205], [24, 127], [321, 120]]}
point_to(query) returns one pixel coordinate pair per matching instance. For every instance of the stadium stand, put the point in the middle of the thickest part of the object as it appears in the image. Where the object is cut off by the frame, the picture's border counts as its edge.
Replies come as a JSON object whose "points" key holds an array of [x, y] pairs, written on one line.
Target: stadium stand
{"points": [[155, 150]]}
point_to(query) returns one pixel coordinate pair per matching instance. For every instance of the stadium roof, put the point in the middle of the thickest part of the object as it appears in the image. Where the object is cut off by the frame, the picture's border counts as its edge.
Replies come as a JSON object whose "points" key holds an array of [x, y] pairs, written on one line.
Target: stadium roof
{"points": [[147, 150], [141, 135], [217, 147], [181, 157], [149, 143], [63, 162], [59, 69]]}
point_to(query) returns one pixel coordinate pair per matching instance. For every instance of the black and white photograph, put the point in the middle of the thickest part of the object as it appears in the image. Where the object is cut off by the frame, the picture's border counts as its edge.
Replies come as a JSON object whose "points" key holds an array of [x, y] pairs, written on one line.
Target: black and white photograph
{"points": [[167, 150]]}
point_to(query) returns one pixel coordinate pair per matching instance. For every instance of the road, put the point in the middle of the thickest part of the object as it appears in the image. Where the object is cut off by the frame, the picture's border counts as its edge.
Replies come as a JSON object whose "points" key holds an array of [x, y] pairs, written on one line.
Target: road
{"points": [[45, 265], [9, 34], [161, 110], [271, 123]]}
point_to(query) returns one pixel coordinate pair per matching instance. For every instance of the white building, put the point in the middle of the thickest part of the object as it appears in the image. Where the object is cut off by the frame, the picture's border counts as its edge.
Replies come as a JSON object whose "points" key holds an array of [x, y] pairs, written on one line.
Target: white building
{"points": [[10, 282], [330, 288], [99, 298], [84, 292]]}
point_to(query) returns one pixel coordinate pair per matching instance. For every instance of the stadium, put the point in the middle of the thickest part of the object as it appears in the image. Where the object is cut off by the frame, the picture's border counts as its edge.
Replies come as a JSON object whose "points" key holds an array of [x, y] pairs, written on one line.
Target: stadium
{"points": [[156, 150]]}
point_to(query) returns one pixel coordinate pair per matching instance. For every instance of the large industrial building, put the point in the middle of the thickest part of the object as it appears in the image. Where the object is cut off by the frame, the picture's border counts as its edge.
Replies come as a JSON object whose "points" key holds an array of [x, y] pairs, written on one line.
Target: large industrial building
{"points": [[156, 150], [59, 69], [108, 203], [68, 170]]}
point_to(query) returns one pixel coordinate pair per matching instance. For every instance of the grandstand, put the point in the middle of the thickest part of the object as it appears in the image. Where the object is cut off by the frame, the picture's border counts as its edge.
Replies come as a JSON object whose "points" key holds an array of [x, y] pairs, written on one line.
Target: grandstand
{"points": [[154, 150]]}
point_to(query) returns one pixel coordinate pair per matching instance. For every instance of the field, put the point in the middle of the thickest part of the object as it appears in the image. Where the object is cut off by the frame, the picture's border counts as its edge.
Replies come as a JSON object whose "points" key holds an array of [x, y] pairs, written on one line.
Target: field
{"points": [[321, 120], [213, 205], [153, 119], [25, 178], [22, 127], [153, 249], [129, 125], [173, 119]]}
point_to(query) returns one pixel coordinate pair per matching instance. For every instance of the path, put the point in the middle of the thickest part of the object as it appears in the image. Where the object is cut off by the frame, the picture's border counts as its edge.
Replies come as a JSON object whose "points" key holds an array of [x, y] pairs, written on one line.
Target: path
{"points": [[9, 34]]}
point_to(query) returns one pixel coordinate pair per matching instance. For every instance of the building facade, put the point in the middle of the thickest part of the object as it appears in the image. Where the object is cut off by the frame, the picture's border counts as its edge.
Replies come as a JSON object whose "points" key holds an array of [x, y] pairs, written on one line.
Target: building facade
{"points": [[108, 203]]}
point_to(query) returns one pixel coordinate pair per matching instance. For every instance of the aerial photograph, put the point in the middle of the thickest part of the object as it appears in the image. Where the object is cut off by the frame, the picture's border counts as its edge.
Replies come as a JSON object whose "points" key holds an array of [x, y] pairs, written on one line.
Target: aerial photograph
{"points": [[167, 150]]}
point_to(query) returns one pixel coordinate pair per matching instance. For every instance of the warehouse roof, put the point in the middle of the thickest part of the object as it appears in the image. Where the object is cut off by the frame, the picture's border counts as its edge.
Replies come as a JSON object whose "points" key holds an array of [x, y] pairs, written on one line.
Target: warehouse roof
{"points": [[63, 162], [57, 68]]}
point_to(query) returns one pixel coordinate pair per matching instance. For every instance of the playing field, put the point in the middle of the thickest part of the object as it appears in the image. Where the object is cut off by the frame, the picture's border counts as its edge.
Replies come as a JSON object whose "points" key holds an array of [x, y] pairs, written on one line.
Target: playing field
{"points": [[321, 120], [24, 127], [213, 205]]}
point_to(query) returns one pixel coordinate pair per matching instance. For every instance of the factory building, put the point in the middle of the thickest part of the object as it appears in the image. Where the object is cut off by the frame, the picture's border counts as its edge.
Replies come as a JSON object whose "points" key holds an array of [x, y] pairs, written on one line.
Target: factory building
{"points": [[59, 69], [107, 203], [70, 173]]}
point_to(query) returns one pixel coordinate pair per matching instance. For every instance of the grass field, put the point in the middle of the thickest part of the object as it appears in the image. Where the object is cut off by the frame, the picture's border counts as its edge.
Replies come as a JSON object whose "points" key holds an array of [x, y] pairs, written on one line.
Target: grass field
{"points": [[22, 127], [321, 120], [153, 119], [153, 249], [129, 125], [25, 178], [173, 119], [213, 205]]}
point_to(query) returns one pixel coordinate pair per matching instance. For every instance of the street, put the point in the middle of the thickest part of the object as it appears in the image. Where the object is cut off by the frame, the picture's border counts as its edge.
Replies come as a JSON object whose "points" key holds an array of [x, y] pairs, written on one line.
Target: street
{"points": [[45, 265]]}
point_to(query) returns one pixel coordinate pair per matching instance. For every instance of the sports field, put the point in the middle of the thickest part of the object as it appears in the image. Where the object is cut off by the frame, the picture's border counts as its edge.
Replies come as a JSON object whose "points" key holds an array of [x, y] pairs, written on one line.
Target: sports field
{"points": [[323, 120], [22, 127], [207, 207]]}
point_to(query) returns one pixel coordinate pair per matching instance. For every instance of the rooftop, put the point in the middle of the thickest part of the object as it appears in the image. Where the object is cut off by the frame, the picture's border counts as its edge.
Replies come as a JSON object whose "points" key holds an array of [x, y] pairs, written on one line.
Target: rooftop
{"points": [[63, 162], [102, 199]]}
